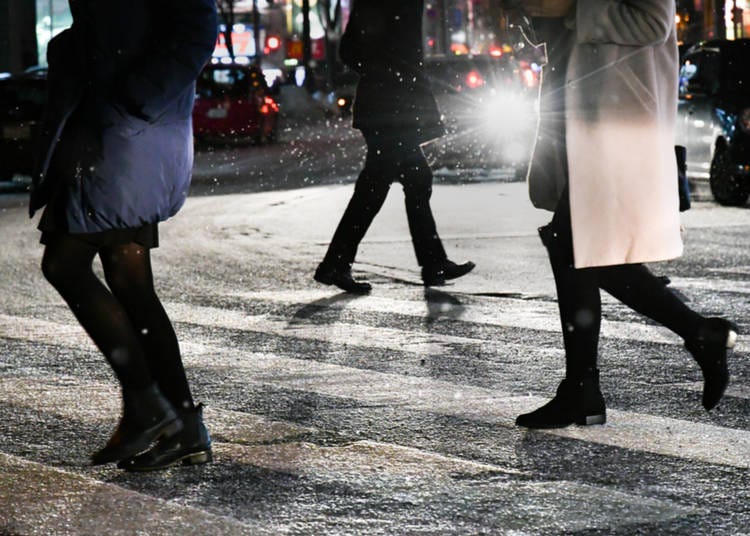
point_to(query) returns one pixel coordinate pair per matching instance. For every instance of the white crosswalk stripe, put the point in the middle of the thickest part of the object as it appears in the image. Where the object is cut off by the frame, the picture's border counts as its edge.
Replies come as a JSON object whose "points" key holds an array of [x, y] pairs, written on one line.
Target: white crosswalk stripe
{"points": [[393, 469], [507, 312], [245, 439], [672, 437]]}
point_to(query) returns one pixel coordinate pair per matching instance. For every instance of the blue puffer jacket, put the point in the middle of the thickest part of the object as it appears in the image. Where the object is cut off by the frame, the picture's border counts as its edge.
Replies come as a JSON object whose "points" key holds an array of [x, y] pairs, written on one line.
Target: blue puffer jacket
{"points": [[118, 128]]}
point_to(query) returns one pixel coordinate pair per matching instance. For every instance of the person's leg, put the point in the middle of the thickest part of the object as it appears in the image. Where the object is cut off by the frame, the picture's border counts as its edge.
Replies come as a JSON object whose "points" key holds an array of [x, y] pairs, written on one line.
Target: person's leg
{"points": [[67, 265], [370, 192], [127, 270], [147, 415], [635, 286], [578, 297], [369, 195], [707, 339], [578, 399], [415, 175]]}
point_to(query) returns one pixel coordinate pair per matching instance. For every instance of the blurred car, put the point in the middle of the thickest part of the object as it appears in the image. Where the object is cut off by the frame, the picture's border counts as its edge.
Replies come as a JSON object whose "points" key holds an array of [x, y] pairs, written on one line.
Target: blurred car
{"points": [[345, 88], [336, 98], [489, 106], [22, 100], [233, 103], [714, 117]]}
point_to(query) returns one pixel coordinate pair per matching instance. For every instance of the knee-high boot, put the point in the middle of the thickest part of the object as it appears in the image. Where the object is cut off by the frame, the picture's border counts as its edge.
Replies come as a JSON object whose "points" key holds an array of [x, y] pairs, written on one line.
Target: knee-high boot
{"points": [[578, 399], [707, 339]]}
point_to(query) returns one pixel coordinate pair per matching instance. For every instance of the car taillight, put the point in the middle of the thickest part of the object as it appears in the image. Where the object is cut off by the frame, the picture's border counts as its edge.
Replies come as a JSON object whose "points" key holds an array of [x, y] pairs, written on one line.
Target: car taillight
{"points": [[269, 105], [529, 74], [529, 78], [474, 80], [745, 120]]}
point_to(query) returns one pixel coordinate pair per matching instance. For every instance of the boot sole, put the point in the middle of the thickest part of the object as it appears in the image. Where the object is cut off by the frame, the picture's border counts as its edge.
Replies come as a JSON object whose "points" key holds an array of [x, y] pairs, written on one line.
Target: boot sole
{"points": [[588, 420], [365, 289], [193, 458]]}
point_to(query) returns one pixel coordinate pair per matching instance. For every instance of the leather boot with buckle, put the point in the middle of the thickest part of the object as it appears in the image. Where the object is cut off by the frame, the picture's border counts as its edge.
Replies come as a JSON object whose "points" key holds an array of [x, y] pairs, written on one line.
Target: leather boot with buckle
{"points": [[146, 417], [189, 446]]}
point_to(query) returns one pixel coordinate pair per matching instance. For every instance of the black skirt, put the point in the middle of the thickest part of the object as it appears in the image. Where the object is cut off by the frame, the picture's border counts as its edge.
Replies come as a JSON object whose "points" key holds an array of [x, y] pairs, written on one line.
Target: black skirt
{"points": [[52, 223]]}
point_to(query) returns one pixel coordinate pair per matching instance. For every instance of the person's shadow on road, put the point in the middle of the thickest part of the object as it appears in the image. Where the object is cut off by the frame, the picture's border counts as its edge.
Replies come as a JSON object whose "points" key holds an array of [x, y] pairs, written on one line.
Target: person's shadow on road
{"points": [[441, 304], [328, 304]]}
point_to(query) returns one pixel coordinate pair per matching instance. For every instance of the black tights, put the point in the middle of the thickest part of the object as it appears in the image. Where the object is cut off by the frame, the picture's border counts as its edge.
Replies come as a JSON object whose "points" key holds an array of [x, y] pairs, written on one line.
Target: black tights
{"points": [[126, 321], [579, 300]]}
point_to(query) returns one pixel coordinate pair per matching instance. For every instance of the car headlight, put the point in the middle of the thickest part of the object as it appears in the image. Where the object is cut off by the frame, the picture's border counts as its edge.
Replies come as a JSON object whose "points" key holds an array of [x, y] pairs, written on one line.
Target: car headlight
{"points": [[745, 120], [505, 114]]}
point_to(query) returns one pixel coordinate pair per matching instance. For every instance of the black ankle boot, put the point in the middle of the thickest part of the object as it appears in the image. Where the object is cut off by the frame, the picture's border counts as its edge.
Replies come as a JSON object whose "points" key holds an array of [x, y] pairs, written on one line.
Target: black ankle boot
{"points": [[189, 446], [437, 275], [342, 278], [578, 401], [709, 348], [146, 416]]}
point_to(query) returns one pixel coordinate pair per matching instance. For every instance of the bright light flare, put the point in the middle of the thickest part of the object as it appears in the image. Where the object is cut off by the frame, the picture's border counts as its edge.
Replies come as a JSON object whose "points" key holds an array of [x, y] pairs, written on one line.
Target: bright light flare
{"points": [[505, 115], [272, 75], [496, 51], [269, 105], [530, 78], [474, 80], [273, 43]]}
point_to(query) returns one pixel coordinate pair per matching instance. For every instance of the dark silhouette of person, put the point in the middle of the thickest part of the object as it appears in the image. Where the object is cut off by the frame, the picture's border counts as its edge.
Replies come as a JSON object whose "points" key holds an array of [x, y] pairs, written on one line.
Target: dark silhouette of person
{"points": [[115, 159], [604, 162], [396, 111]]}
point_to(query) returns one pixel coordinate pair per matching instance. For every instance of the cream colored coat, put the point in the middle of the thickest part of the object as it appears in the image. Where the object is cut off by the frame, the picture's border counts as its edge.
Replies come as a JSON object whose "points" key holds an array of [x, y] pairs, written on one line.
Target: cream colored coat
{"points": [[620, 108]]}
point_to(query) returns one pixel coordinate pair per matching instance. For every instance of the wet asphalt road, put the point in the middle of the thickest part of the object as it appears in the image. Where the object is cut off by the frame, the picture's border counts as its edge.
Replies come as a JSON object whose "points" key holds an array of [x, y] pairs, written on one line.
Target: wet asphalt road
{"points": [[386, 414]]}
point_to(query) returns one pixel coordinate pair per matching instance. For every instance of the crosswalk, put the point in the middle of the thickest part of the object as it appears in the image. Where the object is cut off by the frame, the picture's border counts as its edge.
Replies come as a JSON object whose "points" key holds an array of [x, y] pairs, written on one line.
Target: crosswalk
{"points": [[384, 414]]}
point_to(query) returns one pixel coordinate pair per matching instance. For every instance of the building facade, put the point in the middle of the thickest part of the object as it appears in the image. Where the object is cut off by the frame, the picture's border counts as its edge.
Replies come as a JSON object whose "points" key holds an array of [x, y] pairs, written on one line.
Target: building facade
{"points": [[451, 26]]}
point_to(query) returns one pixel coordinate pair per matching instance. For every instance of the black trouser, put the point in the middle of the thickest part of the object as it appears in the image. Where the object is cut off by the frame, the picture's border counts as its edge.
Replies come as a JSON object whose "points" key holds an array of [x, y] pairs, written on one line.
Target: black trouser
{"points": [[579, 299], [391, 157]]}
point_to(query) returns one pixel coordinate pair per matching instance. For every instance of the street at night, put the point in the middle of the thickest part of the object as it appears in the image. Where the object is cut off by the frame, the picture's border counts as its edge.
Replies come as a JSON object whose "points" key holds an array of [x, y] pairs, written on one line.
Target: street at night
{"points": [[367, 267], [383, 414]]}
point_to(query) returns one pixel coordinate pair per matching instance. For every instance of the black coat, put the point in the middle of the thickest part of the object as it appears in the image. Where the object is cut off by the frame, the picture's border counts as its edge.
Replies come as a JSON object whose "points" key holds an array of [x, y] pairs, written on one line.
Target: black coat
{"points": [[383, 44], [548, 169], [118, 121]]}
